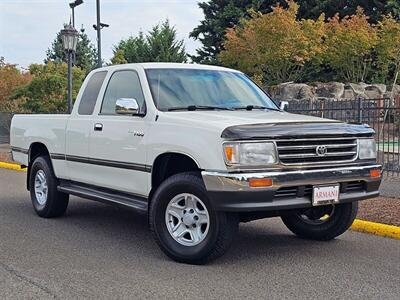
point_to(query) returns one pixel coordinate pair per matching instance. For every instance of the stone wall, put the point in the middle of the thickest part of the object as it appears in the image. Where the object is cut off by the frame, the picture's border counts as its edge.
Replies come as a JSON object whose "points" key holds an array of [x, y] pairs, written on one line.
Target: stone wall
{"points": [[330, 90]]}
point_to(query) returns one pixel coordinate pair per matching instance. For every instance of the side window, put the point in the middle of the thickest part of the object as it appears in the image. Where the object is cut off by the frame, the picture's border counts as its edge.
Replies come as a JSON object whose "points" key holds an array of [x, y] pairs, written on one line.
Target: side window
{"points": [[89, 96], [123, 84]]}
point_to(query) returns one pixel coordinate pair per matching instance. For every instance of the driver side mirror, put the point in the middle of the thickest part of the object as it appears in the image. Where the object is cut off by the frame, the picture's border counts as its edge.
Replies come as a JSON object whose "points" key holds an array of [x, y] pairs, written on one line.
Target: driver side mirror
{"points": [[127, 106], [283, 105]]}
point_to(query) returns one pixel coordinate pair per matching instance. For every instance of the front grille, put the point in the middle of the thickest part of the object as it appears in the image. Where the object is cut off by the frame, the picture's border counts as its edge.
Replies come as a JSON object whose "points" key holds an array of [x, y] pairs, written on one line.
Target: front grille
{"points": [[304, 151], [306, 190]]}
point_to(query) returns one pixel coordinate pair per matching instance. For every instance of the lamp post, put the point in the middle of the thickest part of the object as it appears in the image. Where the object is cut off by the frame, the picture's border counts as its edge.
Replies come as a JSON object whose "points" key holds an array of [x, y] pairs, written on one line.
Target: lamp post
{"points": [[72, 5], [70, 38]]}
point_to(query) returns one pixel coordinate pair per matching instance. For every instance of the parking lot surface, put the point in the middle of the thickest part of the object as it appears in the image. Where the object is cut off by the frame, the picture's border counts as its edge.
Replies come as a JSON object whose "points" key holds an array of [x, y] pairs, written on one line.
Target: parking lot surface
{"points": [[103, 252]]}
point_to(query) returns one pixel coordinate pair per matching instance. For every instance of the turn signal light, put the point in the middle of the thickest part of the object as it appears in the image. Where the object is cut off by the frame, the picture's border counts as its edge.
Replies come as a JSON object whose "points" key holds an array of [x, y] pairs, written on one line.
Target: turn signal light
{"points": [[375, 173], [264, 182], [229, 153]]}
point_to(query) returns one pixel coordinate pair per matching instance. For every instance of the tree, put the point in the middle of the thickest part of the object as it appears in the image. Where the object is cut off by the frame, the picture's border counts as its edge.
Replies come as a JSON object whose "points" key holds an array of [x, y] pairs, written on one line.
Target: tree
{"points": [[47, 91], [86, 53], [159, 45], [273, 47], [374, 9], [220, 15], [349, 45], [387, 60], [163, 45], [131, 50], [10, 79]]}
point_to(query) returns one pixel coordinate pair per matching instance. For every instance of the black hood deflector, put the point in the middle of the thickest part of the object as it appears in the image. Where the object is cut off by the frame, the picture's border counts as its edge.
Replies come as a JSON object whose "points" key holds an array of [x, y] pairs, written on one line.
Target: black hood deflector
{"points": [[296, 130]]}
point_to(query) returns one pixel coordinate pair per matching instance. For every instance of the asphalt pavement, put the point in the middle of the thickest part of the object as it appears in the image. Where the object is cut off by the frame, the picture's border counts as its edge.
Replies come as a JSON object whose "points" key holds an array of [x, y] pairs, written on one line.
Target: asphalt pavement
{"points": [[103, 252], [390, 187]]}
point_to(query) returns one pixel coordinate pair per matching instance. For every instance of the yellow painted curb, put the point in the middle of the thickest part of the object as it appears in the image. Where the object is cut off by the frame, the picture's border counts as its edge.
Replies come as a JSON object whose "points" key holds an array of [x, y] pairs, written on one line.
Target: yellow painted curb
{"points": [[358, 225], [10, 166], [377, 229]]}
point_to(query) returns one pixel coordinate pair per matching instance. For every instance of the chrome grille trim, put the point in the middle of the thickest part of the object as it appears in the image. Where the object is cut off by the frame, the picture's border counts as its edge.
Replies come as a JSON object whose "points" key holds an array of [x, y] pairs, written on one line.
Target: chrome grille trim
{"points": [[313, 146], [304, 155], [303, 151]]}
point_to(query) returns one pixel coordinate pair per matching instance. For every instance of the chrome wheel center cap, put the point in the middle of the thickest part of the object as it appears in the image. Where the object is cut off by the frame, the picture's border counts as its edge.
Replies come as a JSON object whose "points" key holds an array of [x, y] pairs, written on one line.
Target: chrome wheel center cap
{"points": [[189, 220]]}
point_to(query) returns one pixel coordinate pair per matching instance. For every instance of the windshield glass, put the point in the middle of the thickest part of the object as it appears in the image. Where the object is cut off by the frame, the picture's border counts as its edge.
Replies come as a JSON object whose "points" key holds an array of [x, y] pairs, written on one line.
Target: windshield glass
{"points": [[181, 88]]}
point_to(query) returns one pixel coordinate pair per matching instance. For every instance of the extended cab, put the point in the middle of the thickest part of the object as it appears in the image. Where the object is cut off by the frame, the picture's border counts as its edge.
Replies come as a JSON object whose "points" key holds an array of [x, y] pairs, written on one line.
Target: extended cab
{"points": [[198, 149]]}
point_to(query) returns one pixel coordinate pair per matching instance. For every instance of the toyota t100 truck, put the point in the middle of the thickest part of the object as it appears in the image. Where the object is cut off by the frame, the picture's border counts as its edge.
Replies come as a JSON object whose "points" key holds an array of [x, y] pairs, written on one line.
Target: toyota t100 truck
{"points": [[198, 149]]}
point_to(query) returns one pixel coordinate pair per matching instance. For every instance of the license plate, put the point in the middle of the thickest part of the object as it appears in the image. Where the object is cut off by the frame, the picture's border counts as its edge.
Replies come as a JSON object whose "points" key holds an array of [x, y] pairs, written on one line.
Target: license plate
{"points": [[325, 194]]}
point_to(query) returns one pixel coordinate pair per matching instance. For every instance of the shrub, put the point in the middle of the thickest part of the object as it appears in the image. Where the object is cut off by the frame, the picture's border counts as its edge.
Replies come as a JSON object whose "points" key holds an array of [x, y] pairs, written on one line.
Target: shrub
{"points": [[275, 45]]}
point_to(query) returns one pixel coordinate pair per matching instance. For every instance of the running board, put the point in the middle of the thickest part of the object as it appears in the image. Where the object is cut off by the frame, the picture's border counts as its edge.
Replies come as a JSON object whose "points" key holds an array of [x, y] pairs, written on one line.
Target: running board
{"points": [[104, 195]]}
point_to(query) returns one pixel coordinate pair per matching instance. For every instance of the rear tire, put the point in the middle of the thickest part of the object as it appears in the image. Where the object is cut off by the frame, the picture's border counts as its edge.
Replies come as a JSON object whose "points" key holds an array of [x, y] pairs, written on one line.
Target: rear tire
{"points": [[47, 201], [177, 204], [310, 223]]}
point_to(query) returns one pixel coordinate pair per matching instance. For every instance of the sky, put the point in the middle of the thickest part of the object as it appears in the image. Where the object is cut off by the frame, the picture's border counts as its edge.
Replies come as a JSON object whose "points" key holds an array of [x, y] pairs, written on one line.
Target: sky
{"points": [[28, 27]]}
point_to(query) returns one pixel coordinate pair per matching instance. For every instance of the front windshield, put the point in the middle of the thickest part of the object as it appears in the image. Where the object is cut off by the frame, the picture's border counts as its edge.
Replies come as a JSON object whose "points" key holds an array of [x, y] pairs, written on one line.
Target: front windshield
{"points": [[181, 88]]}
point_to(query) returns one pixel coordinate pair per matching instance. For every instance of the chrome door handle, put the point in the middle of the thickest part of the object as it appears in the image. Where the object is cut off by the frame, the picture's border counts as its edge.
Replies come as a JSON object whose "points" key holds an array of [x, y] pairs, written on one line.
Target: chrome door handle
{"points": [[98, 127]]}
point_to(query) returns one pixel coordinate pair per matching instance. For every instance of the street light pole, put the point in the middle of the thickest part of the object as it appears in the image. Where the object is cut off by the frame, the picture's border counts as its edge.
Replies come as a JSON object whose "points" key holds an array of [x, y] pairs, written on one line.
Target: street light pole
{"points": [[69, 94], [72, 5], [98, 29]]}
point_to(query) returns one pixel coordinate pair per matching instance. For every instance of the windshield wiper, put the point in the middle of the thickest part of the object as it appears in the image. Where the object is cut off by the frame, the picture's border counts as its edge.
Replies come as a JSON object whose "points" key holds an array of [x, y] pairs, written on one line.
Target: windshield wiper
{"points": [[251, 107], [199, 107]]}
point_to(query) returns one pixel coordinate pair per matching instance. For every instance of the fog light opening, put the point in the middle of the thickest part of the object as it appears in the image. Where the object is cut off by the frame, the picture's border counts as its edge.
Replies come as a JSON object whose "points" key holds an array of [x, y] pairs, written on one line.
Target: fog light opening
{"points": [[264, 182]]}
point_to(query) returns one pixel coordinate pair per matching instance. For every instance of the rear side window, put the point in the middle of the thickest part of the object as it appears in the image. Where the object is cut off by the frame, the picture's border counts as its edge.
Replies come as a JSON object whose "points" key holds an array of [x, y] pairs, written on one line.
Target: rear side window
{"points": [[89, 96]]}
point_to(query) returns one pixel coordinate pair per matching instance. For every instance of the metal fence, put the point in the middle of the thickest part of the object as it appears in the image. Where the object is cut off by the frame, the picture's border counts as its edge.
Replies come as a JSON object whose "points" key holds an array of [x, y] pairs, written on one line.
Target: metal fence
{"points": [[381, 114], [5, 123]]}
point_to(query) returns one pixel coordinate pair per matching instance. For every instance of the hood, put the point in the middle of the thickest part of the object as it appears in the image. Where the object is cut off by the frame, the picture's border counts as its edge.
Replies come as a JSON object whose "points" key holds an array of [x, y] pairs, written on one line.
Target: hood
{"points": [[263, 124], [222, 119]]}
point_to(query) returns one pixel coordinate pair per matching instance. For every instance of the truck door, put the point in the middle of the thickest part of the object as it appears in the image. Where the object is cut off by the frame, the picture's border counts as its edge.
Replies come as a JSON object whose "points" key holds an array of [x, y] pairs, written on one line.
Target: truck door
{"points": [[78, 129], [117, 142]]}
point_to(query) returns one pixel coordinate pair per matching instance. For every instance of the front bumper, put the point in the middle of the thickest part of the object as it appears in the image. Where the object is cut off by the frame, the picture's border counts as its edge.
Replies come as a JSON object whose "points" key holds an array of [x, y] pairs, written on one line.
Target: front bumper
{"points": [[231, 191]]}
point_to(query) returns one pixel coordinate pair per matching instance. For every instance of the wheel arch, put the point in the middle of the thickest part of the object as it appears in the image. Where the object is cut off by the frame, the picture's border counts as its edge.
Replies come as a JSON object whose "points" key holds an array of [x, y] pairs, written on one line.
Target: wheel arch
{"points": [[168, 164], [36, 149]]}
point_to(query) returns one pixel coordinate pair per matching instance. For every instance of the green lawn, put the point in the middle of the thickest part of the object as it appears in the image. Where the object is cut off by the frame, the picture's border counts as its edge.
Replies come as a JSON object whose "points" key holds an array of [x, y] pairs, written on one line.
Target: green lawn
{"points": [[389, 147]]}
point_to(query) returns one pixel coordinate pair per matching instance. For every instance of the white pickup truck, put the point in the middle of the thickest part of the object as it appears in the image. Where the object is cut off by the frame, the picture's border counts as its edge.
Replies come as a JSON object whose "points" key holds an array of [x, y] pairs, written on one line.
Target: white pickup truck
{"points": [[198, 149]]}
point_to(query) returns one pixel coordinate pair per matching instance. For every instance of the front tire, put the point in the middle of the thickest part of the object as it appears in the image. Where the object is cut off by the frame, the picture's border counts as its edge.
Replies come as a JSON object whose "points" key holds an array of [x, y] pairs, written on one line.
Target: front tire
{"points": [[184, 223], [47, 201], [322, 223]]}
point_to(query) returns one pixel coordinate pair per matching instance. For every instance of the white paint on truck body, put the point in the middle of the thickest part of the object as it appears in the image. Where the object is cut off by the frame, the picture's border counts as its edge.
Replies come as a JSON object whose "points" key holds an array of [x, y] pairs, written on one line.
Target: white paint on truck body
{"points": [[196, 134]]}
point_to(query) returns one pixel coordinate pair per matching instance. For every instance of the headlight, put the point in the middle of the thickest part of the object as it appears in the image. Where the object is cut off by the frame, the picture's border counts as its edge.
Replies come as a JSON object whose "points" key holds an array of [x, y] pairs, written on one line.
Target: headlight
{"points": [[366, 149], [250, 154]]}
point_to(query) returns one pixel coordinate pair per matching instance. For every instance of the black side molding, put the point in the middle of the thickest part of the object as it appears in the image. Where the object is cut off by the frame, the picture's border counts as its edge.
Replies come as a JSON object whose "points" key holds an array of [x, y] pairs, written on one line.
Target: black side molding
{"points": [[21, 150], [103, 162], [296, 130], [104, 195]]}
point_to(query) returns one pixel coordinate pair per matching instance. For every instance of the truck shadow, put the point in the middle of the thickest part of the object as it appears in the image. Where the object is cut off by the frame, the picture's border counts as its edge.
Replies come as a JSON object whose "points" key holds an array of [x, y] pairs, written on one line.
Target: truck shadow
{"points": [[265, 238]]}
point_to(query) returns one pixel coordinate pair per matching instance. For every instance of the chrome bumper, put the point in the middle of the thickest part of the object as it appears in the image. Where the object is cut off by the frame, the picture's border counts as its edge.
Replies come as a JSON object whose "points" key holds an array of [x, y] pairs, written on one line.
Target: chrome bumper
{"points": [[231, 191]]}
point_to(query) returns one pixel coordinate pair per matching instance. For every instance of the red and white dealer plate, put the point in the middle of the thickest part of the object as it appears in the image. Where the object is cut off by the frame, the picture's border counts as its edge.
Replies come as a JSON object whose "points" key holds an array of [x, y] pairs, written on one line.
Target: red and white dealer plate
{"points": [[325, 194]]}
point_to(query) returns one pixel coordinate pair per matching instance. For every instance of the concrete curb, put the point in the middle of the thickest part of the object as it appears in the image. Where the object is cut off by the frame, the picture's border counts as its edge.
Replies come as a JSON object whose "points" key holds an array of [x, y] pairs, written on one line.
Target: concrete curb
{"points": [[15, 167], [358, 225], [379, 229]]}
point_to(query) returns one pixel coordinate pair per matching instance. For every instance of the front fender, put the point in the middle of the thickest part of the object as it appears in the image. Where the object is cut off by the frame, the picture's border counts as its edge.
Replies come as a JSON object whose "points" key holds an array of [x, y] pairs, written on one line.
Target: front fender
{"points": [[203, 146]]}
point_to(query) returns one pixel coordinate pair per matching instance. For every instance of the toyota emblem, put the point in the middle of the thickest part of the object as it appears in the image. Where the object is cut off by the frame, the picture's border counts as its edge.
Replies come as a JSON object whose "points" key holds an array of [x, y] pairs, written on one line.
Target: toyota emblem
{"points": [[321, 150]]}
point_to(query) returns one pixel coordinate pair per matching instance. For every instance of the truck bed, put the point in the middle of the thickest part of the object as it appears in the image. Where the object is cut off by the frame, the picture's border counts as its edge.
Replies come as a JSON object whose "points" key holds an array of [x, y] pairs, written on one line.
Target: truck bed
{"points": [[48, 129]]}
